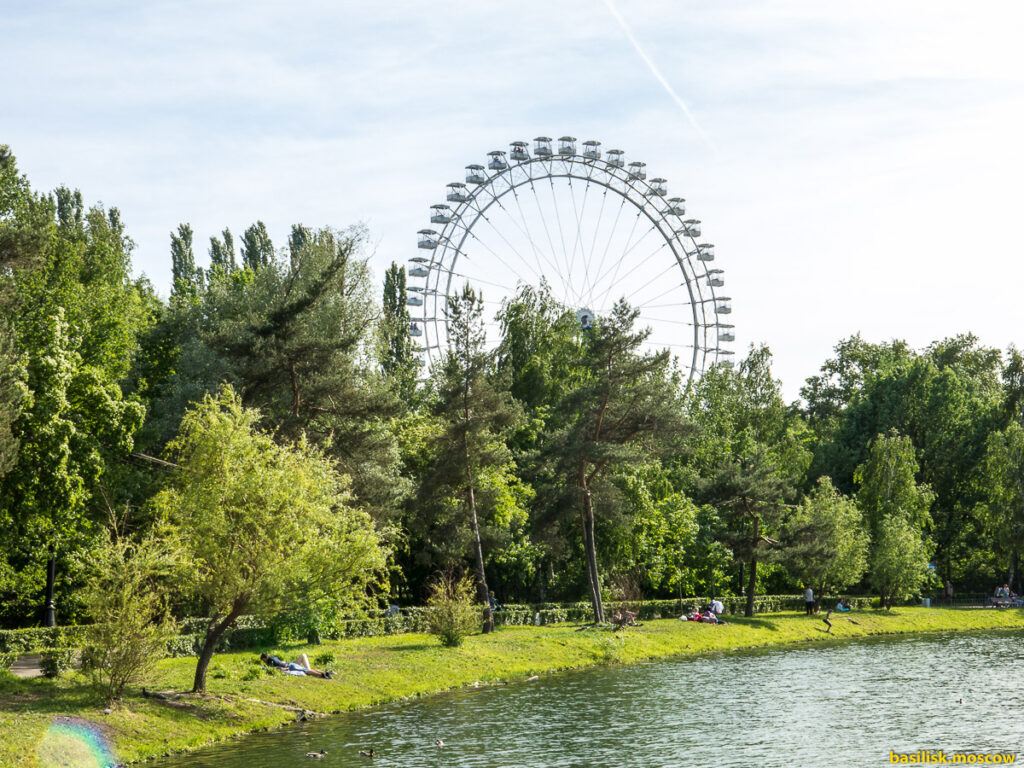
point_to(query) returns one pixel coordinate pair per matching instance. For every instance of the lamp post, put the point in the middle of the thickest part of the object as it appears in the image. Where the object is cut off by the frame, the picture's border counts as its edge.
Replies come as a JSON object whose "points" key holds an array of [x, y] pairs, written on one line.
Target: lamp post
{"points": [[50, 609]]}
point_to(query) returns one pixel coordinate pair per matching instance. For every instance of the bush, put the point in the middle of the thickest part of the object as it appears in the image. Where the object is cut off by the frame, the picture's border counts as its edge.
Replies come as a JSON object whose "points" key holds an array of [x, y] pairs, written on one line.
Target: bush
{"points": [[322, 660], [7, 660], [451, 612], [56, 661], [126, 597]]}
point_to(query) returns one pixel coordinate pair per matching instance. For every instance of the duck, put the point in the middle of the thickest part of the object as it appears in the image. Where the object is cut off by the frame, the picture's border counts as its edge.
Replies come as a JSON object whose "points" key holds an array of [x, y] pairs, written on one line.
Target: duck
{"points": [[317, 755], [959, 701], [364, 753], [439, 742]]}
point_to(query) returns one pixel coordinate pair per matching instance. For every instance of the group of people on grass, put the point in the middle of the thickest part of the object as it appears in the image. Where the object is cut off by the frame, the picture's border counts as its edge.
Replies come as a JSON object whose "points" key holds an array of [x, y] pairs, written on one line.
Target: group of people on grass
{"points": [[710, 615], [1005, 596]]}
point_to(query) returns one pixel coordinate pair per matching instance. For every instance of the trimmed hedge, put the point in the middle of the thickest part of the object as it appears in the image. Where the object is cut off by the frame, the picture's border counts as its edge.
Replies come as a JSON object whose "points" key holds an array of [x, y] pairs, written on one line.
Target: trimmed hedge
{"points": [[256, 632]]}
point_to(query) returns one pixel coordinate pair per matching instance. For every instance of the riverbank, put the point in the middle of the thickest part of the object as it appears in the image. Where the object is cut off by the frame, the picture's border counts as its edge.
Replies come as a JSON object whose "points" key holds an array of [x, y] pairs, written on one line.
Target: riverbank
{"points": [[47, 723]]}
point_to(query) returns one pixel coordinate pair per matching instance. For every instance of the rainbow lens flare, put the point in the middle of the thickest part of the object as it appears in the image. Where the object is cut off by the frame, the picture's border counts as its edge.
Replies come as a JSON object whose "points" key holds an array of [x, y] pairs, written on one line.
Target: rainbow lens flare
{"points": [[72, 742]]}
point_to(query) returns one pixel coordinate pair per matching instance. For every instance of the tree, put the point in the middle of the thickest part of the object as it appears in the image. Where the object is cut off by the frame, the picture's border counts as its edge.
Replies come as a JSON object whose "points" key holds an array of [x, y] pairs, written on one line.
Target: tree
{"points": [[222, 256], [888, 484], [127, 592], [187, 278], [263, 523], [77, 317], [825, 543], [622, 412], [1002, 476], [397, 359], [477, 416], [257, 248], [899, 563], [752, 491]]}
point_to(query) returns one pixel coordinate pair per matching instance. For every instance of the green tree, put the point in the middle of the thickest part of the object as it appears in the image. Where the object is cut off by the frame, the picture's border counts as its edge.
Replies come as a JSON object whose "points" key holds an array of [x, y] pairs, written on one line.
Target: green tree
{"points": [[397, 358], [222, 256], [477, 416], [752, 492], [899, 563], [187, 278], [257, 248], [624, 410], [888, 484], [1002, 476], [825, 543], [265, 524], [127, 596]]}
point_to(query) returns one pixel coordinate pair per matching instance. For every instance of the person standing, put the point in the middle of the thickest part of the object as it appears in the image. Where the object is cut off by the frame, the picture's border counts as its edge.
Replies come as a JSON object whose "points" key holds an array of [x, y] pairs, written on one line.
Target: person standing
{"points": [[949, 592], [809, 600]]}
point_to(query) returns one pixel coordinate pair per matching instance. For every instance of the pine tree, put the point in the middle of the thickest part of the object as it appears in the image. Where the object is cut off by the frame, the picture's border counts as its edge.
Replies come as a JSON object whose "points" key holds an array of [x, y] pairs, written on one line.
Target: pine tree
{"points": [[624, 409]]}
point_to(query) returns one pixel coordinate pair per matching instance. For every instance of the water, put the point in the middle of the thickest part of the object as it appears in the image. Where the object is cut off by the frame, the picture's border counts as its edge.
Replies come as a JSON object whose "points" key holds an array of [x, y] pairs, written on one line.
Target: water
{"points": [[836, 704]]}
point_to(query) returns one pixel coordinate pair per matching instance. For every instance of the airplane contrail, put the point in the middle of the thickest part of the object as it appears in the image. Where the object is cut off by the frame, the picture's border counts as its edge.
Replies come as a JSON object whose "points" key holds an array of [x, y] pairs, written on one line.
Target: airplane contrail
{"points": [[655, 71]]}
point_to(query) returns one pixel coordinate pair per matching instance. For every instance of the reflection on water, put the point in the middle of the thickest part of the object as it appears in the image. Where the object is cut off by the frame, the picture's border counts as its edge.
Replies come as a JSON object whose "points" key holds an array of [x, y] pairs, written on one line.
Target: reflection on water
{"points": [[843, 704]]}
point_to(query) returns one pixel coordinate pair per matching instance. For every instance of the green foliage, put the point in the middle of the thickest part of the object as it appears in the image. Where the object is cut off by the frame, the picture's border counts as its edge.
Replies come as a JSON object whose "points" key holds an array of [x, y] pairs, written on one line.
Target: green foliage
{"points": [[127, 596], [899, 562], [452, 614], [888, 484], [1002, 477], [825, 541], [56, 662], [264, 523], [397, 360]]}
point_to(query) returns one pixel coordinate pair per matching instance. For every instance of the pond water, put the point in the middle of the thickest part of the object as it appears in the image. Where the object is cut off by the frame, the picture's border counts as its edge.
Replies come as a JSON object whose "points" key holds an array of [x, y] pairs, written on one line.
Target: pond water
{"points": [[834, 704]]}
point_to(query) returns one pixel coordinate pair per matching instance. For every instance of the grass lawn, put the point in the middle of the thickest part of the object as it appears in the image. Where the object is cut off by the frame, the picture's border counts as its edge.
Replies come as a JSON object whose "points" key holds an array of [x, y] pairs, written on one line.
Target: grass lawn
{"points": [[45, 723]]}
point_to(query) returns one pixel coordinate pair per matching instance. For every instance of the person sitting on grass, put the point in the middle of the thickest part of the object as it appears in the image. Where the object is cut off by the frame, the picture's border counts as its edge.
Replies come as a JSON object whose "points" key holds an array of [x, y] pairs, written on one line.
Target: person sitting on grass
{"points": [[843, 606], [299, 667], [495, 605]]}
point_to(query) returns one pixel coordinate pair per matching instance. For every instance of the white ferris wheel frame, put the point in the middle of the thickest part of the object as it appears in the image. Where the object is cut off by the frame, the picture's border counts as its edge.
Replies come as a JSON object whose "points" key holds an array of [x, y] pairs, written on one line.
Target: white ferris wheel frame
{"points": [[428, 300]]}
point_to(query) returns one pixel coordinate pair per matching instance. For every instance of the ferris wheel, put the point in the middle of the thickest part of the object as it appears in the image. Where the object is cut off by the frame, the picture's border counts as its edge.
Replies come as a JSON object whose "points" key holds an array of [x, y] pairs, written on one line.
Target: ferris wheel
{"points": [[589, 224]]}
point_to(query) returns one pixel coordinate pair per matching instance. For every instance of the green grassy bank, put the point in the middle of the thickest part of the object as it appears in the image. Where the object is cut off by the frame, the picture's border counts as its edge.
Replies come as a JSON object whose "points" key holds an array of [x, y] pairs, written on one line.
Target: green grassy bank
{"points": [[370, 671]]}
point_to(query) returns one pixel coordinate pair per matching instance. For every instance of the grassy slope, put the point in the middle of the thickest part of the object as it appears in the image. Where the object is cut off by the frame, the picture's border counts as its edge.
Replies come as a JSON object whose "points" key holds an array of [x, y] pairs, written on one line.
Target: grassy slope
{"points": [[375, 670]]}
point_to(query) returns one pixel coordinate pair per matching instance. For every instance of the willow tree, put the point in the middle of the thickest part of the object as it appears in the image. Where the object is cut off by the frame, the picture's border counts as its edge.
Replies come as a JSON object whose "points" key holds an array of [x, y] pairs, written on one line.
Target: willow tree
{"points": [[265, 524]]}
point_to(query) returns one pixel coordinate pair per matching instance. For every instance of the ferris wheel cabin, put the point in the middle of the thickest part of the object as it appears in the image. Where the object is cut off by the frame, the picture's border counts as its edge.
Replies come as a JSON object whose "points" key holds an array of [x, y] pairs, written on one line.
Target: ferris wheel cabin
{"points": [[519, 151], [428, 239], [691, 228], [457, 192], [475, 174], [497, 161], [542, 146], [615, 157], [726, 332], [440, 214], [705, 252], [637, 170], [592, 149], [723, 305], [567, 145], [659, 187], [716, 278], [677, 206]]}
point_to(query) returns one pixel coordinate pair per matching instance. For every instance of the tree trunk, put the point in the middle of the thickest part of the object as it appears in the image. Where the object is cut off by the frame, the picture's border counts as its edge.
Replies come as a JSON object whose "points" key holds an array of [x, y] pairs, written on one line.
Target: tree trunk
{"points": [[590, 550], [751, 584], [214, 632], [478, 549], [1014, 580]]}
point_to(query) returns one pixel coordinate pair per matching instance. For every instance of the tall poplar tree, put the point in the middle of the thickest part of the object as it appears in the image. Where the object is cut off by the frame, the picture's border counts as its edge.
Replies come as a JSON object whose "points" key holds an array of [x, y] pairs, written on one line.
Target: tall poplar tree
{"points": [[477, 415]]}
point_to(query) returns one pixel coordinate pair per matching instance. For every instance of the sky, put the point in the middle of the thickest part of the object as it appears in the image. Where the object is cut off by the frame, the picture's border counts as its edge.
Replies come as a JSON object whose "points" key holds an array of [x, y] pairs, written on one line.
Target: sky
{"points": [[858, 166]]}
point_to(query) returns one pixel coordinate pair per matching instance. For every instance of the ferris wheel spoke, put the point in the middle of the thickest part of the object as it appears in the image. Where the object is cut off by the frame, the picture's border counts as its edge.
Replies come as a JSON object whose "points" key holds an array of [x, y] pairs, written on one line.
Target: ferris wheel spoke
{"points": [[618, 262], [547, 232], [647, 304], [577, 243], [561, 237], [658, 276], [496, 255], [511, 247], [607, 244], [525, 231]]}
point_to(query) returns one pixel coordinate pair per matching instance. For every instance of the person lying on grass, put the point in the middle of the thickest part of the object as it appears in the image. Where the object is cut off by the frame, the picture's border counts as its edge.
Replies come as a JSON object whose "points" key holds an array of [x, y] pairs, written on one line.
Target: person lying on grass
{"points": [[298, 667]]}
